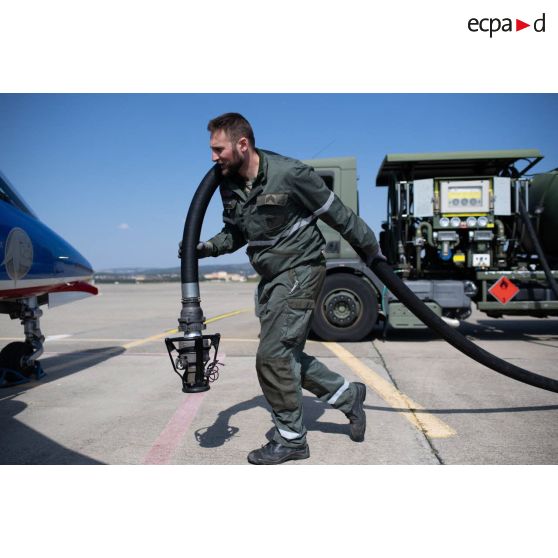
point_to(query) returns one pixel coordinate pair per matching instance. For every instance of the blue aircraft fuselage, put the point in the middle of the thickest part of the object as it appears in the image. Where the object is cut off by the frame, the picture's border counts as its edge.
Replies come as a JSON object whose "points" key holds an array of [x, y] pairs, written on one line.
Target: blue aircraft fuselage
{"points": [[35, 260]]}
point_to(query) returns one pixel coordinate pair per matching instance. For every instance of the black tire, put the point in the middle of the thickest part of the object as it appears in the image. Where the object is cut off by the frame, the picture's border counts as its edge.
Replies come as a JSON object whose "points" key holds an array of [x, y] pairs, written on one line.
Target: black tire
{"points": [[346, 310], [10, 357]]}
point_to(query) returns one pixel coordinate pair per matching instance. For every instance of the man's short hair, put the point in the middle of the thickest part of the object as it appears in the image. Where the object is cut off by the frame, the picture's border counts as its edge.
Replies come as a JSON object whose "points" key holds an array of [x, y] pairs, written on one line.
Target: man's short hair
{"points": [[234, 125]]}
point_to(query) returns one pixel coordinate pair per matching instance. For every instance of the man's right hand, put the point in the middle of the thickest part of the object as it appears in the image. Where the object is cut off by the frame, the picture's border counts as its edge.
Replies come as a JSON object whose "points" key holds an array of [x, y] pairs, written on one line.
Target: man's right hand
{"points": [[203, 250]]}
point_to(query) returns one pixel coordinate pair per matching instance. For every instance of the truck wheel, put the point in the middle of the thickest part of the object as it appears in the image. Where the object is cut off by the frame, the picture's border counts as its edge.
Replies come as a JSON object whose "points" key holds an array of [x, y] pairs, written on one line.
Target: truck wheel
{"points": [[346, 310]]}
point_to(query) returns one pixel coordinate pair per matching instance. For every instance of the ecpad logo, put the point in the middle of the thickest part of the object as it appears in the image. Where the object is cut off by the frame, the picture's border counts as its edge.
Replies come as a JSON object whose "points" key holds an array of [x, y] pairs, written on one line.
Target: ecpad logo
{"points": [[494, 24]]}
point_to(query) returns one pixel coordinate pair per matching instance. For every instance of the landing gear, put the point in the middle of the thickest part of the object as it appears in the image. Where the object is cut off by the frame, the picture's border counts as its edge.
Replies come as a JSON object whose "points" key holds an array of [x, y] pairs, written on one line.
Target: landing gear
{"points": [[18, 360]]}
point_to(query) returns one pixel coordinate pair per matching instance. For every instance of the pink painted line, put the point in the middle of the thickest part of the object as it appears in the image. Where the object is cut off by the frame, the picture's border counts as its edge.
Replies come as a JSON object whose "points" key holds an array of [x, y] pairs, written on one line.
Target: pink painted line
{"points": [[167, 442]]}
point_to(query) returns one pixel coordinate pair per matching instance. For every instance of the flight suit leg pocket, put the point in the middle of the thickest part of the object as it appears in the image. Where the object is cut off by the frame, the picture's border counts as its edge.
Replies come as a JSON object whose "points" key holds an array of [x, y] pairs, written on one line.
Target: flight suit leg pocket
{"points": [[297, 316], [278, 383]]}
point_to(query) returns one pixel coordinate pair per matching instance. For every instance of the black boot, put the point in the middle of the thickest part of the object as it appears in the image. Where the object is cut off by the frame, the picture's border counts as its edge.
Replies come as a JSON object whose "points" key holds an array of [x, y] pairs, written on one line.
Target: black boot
{"points": [[356, 415], [273, 454]]}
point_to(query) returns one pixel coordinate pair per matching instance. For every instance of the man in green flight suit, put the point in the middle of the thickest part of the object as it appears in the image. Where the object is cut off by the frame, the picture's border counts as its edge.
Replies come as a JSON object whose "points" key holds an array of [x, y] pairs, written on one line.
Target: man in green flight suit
{"points": [[271, 204]]}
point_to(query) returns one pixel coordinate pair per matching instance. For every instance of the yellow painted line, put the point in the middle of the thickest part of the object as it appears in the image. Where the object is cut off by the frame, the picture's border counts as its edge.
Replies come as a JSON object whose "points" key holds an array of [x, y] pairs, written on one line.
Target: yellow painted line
{"points": [[171, 331], [138, 342], [432, 426], [221, 316]]}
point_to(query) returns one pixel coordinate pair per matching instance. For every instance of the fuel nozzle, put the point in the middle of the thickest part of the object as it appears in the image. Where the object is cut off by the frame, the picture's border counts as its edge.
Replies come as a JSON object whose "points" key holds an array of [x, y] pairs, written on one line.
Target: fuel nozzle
{"points": [[192, 361]]}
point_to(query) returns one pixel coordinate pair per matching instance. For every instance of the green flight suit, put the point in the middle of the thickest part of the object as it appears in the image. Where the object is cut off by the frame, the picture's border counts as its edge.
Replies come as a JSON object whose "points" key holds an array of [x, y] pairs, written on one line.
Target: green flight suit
{"points": [[277, 219]]}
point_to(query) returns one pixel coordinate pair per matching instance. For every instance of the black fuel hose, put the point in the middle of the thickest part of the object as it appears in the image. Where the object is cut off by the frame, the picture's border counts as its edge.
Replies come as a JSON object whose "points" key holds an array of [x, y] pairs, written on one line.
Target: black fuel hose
{"points": [[191, 320], [193, 224], [538, 248], [384, 272]]}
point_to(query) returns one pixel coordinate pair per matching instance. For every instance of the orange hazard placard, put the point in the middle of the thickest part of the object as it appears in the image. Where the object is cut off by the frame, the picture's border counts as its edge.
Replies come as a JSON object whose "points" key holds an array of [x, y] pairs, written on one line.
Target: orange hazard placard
{"points": [[503, 290]]}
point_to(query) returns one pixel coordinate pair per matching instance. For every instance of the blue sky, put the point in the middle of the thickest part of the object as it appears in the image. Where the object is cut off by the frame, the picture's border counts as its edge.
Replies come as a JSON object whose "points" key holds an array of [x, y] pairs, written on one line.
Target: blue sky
{"points": [[114, 173]]}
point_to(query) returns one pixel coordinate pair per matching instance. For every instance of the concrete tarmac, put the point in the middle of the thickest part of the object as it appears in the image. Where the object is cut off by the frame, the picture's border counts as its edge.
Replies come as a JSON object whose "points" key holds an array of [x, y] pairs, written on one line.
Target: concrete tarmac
{"points": [[111, 397]]}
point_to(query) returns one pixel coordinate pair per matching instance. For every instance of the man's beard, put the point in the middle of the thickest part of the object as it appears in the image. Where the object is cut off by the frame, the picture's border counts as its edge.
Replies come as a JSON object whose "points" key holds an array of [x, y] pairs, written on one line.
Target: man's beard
{"points": [[232, 167]]}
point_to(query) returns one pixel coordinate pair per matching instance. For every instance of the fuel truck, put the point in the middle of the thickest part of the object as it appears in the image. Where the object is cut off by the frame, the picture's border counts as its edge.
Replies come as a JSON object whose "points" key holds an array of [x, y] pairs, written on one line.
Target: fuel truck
{"points": [[461, 228]]}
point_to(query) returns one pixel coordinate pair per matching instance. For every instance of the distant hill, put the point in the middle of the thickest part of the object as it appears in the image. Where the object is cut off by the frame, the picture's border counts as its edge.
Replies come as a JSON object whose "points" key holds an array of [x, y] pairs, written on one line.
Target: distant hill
{"points": [[160, 274]]}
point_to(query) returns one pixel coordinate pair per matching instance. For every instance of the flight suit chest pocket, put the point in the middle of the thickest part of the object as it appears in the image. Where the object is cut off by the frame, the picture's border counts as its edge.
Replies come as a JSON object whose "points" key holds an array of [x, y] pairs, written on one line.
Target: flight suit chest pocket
{"points": [[229, 209], [270, 212]]}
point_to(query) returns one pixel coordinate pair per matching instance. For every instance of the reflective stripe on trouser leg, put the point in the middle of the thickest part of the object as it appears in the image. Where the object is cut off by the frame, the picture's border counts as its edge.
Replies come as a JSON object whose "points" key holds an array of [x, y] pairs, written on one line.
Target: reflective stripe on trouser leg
{"points": [[338, 393], [289, 435], [325, 384]]}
